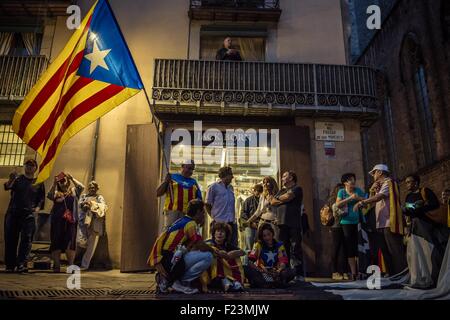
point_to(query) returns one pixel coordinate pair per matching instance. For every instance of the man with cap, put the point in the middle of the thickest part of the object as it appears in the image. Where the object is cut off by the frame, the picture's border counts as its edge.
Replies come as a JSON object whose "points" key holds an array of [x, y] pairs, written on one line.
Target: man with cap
{"points": [[179, 188], [26, 199], [389, 218]]}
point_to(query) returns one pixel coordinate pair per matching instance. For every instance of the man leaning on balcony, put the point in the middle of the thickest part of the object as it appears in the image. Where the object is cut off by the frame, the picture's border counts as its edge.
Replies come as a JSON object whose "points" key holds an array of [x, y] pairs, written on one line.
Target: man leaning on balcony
{"points": [[183, 189], [227, 52]]}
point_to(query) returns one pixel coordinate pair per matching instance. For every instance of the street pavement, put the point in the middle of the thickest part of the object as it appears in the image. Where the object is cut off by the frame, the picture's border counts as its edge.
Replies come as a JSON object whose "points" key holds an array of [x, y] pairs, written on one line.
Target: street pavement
{"points": [[114, 285]]}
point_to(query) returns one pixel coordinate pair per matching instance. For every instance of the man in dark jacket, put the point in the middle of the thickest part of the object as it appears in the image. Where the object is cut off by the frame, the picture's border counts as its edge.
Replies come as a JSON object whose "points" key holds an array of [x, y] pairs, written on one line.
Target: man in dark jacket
{"points": [[288, 202], [26, 199], [248, 209], [419, 203], [227, 52]]}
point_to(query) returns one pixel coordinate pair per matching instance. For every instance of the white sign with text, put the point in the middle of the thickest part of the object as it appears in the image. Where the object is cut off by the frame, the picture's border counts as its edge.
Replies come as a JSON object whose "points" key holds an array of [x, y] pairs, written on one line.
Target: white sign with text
{"points": [[329, 131]]}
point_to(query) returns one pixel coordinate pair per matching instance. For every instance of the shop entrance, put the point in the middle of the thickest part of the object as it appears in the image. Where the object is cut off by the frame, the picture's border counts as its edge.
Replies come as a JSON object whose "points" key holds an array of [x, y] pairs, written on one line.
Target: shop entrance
{"points": [[252, 154]]}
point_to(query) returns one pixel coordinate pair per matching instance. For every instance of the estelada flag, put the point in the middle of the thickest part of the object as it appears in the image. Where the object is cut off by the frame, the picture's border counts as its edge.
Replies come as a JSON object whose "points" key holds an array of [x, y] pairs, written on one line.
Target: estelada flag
{"points": [[93, 74]]}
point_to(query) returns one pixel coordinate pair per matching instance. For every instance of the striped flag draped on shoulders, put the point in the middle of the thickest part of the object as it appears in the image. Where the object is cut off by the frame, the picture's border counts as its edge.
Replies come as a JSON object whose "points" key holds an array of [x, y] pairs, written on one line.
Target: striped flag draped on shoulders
{"points": [[92, 75]]}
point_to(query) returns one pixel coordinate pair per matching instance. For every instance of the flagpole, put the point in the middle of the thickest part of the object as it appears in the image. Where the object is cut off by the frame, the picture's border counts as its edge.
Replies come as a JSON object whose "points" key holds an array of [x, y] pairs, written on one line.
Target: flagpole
{"points": [[156, 122], [94, 149]]}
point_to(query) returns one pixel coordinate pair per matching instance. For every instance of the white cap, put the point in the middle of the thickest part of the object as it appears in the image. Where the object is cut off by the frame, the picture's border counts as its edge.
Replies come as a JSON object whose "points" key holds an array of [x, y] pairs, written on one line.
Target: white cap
{"points": [[381, 167], [188, 162]]}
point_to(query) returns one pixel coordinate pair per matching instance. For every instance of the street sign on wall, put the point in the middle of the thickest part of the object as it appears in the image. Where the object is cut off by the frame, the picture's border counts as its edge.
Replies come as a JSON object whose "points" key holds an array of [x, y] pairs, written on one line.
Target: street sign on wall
{"points": [[329, 131]]}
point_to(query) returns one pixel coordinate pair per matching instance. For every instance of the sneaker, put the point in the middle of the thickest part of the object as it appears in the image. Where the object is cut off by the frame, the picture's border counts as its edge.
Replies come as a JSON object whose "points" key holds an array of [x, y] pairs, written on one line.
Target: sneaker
{"points": [[237, 287], [22, 269], [299, 278], [345, 276], [179, 287], [226, 284], [162, 284], [9, 270], [337, 276]]}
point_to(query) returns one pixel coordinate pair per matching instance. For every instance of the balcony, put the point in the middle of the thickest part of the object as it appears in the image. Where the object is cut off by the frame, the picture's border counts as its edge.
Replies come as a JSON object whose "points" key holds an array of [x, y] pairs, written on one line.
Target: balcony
{"points": [[18, 75], [235, 10], [265, 89], [34, 8]]}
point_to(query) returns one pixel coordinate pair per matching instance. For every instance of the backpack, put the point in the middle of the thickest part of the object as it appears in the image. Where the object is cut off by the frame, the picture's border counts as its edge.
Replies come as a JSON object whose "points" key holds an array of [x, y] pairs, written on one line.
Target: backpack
{"points": [[326, 216]]}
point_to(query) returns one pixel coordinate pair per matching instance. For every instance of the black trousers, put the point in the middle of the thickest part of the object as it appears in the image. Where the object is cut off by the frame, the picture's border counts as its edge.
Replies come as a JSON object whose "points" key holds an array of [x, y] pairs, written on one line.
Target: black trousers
{"points": [[393, 249], [18, 225], [257, 279], [292, 240], [338, 257]]}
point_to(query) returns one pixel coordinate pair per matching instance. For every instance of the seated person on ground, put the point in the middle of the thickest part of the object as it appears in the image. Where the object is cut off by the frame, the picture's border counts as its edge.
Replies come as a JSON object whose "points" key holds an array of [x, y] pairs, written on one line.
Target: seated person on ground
{"points": [[269, 264], [179, 254], [226, 270]]}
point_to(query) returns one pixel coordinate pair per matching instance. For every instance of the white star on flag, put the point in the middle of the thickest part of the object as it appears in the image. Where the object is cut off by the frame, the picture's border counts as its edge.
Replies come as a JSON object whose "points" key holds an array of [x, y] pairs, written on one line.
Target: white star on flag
{"points": [[97, 58], [270, 256]]}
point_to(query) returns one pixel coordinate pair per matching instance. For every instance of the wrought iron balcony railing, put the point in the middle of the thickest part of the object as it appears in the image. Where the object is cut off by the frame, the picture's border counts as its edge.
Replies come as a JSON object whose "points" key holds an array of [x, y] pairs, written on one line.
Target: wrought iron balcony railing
{"points": [[235, 10], [19, 74], [228, 87]]}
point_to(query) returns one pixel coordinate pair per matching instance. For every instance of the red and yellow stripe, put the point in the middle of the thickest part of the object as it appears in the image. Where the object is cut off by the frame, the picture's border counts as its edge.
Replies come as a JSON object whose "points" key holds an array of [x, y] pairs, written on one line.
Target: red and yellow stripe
{"points": [[181, 198], [63, 103], [396, 219], [170, 241]]}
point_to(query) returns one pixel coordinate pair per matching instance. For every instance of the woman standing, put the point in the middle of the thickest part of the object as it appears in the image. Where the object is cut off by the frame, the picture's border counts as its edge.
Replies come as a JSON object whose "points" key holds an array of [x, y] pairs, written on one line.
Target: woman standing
{"points": [[265, 212], [226, 269], [92, 221], [64, 218], [338, 258], [346, 199]]}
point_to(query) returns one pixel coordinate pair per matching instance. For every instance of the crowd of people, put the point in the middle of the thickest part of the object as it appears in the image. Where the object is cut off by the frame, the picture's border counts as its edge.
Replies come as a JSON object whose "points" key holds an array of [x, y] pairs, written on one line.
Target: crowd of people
{"points": [[269, 224], [77, 219], [389, 224], [270, 220]]}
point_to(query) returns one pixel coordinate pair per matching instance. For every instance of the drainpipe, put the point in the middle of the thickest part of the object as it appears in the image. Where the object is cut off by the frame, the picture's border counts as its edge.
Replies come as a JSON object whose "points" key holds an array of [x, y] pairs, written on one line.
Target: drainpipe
{"points": [[94, 150]]}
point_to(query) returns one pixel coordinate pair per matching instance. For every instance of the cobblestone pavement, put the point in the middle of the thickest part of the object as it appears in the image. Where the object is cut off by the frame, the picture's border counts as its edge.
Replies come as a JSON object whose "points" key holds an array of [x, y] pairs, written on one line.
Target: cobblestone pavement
{"points": [[119, 286]]}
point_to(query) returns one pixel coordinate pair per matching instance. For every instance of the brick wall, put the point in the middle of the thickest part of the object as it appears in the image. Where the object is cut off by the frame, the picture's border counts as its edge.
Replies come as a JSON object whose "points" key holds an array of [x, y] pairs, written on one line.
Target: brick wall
{"points": [[423, 21]]}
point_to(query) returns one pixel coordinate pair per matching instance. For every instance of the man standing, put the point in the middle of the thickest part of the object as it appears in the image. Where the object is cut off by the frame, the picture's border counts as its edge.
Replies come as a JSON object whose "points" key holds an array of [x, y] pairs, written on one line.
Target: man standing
{"points": [[26, 199], [389, 218], [426, 246], [220, 202], [227, 52], [179, 189], [289, 217], [248, 209]]}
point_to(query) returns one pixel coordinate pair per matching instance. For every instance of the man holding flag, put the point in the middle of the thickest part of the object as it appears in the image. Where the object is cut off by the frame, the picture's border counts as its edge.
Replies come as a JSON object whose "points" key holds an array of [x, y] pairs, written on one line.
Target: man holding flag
{"points": [[93, 74]]}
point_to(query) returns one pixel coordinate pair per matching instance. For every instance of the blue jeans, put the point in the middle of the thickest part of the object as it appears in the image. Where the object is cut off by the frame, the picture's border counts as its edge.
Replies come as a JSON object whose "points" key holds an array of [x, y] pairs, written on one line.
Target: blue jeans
{"points": [[196, 262], [250, 235]]}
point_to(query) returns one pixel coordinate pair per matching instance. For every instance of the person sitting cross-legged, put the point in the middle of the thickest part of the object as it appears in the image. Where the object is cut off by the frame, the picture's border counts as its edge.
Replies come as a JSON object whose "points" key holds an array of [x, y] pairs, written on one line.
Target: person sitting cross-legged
{"points": [[268, 267], [226, 270], [179, 254]]}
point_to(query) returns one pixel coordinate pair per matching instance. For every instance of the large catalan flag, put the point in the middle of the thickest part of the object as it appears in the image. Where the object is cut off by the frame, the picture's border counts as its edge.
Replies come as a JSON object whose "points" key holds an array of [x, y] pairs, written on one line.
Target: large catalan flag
{"points": [[92, 75]]}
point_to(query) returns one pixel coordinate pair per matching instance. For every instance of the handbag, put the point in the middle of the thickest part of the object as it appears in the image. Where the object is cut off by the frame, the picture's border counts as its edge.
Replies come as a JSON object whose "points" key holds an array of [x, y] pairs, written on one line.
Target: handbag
{"points": [[326, 216], [68, 214]]}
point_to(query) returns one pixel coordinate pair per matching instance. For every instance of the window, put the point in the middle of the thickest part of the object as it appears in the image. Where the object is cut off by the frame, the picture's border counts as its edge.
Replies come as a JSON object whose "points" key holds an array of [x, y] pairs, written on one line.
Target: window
{"points": [[423, 103], [390, 135], [20, 44], [250, 48], [414, 77], [12, 148]]}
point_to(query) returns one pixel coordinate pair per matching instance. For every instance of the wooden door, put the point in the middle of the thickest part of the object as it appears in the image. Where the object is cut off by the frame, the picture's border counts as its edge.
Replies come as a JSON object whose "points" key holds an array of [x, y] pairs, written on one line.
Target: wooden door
{"points": [[140, 208]]}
